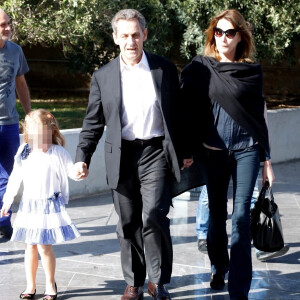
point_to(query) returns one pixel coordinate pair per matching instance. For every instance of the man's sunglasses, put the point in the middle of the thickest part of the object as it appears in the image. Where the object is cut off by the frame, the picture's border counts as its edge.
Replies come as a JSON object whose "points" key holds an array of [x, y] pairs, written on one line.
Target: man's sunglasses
{"points": [[230, 33]]}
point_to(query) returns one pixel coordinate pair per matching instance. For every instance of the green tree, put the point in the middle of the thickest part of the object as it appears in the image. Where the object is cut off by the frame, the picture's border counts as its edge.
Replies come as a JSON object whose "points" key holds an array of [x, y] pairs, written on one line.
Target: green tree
{"points": [[82, 27], [176, 27], [276, 24]]}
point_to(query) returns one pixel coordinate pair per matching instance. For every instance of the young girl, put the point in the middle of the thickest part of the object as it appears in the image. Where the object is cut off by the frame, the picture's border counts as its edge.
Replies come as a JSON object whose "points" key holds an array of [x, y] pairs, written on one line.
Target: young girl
{"points": [[44, 166]]}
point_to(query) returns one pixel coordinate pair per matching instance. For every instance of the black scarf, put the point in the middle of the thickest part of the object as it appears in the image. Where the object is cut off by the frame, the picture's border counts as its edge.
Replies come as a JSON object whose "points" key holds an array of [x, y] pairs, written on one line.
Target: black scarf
{"points": [[237, 87]]}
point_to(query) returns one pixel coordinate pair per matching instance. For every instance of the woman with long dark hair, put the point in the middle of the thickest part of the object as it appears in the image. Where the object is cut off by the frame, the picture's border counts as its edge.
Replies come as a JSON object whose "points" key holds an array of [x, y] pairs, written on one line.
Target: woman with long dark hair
{"points": [[223, 93]]}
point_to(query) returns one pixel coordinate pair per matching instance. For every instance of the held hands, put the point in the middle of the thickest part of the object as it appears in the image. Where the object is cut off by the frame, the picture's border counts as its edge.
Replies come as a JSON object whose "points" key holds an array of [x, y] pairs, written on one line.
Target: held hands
{"points": [[80, 171], [187, 162], [268, 173]]}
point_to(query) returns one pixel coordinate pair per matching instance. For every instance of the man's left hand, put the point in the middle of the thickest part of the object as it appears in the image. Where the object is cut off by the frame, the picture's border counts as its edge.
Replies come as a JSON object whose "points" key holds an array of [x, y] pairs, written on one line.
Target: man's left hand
{"points": [[187, 162]]}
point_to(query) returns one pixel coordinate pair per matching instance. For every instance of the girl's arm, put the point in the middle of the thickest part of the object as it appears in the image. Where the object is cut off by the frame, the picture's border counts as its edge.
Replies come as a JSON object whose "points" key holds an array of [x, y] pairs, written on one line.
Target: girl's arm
{"points": [[69, 166], [4, 210], [66, 169], [76, 171], [12, 188]]}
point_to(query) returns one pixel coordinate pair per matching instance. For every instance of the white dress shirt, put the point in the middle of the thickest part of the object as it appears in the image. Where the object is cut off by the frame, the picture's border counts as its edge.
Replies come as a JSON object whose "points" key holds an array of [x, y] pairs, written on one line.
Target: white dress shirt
{"points": [[141, 115]]}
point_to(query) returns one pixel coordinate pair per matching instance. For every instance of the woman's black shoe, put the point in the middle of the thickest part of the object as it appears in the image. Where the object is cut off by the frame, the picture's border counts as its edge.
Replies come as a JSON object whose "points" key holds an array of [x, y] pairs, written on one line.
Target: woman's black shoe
{"points": [[217, 281]]}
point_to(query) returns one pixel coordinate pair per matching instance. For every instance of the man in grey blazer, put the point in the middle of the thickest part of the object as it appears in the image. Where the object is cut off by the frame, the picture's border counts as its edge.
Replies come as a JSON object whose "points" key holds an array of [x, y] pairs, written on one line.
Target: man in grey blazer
{"points": [[136, 97]]}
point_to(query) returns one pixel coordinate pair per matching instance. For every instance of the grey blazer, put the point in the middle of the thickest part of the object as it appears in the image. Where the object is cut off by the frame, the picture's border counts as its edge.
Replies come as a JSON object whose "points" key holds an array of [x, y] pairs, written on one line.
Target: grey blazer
{"points": [[104, 108]]}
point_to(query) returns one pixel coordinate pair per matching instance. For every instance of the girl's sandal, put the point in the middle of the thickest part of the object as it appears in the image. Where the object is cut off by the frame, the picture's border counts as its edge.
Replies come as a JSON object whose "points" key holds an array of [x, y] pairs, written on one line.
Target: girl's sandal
{"points": [[27, 295], [50, 297]]}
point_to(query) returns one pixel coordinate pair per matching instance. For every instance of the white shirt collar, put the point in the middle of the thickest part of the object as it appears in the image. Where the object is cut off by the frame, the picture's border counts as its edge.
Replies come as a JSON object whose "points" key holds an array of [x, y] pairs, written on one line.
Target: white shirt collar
{"points": [[142, 64]]}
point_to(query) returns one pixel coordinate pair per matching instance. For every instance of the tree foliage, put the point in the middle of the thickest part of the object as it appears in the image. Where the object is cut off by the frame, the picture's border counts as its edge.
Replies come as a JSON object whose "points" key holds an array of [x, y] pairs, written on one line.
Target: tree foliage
{"points": [[276, 24], [82, 27]]}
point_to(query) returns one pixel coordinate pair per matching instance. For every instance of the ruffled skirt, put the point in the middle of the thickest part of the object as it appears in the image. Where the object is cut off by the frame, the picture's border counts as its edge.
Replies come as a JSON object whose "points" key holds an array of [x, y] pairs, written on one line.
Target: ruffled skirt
{"points": [[43, 221]]}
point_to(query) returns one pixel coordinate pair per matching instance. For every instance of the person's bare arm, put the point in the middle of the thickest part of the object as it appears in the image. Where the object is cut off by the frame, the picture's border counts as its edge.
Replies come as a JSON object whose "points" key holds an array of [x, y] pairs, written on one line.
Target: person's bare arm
{"points": [[267, 169], [23, 93]]}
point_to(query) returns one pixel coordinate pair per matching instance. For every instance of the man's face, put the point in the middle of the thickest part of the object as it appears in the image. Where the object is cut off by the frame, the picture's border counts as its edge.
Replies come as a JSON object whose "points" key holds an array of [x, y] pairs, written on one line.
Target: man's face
{"points": [[5, 26], [130, 38]]}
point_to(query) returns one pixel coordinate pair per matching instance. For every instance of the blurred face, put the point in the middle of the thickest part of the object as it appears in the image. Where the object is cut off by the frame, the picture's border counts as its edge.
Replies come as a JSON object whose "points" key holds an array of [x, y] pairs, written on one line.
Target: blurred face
{"points": [[130, 38], [39, 136], [227, 43], [5, 27]]}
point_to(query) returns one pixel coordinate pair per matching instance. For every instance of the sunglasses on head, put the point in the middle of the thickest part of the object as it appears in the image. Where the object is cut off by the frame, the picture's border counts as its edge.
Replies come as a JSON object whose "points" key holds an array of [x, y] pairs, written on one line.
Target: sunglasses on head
{"points": [[230, 33]]}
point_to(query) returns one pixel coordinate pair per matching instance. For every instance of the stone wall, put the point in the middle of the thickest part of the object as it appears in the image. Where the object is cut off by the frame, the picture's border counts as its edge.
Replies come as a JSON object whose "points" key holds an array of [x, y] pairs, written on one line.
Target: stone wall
{"points": [[284, 128]]}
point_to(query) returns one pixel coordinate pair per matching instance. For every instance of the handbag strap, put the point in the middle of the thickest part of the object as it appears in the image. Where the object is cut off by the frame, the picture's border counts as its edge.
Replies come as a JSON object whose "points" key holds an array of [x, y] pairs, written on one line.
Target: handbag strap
{"points": [[271, 194], [262, 194], [269, 190]]}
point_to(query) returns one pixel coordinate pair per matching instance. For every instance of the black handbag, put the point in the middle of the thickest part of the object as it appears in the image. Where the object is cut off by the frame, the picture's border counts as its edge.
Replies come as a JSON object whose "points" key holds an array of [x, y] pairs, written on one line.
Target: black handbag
{"points": [[265, 224]]}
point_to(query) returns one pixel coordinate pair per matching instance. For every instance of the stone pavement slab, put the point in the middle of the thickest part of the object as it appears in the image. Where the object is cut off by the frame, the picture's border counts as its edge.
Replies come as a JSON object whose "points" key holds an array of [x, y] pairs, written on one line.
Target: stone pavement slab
{"points": [[89, 267]]}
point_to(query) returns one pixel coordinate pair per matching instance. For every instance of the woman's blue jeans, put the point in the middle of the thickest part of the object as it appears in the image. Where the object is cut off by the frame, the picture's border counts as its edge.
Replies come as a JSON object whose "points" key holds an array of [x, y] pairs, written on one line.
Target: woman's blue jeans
{"points": [[243, 167], [9, 143]]}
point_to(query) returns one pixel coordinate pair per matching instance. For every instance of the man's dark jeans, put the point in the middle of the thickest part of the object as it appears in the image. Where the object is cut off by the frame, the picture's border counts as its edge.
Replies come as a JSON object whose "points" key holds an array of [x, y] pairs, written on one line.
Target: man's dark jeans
{"points": [[9, 143]]}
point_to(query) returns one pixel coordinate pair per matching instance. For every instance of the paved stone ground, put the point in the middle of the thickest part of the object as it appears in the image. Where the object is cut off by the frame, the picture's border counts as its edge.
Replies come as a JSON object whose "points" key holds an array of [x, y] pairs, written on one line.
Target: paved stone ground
{"points": [[89, 267]]}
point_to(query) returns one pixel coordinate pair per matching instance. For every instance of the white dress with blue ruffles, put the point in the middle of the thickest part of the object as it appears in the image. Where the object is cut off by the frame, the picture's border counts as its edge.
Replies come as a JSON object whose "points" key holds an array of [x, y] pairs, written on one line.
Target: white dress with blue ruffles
{"points": [[42, 217]]}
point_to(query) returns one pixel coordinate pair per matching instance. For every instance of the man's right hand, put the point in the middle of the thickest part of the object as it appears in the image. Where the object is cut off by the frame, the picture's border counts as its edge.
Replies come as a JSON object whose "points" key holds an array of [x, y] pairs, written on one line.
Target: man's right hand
{"points": [[80, 171]]}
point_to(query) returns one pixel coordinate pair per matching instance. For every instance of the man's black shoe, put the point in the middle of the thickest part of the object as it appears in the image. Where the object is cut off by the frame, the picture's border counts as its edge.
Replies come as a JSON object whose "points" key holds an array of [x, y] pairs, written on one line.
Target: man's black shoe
{"points": [[217, 281]]}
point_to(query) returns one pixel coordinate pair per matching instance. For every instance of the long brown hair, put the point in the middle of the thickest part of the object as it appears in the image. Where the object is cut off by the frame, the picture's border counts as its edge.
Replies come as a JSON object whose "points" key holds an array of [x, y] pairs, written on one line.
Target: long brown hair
{"points": [[245, 48], [41, 115]]}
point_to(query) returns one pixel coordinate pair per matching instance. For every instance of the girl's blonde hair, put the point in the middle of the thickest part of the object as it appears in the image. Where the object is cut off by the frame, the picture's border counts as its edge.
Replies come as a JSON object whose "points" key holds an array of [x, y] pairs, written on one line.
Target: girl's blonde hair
{"points": [[245, 48], [44, 117]]}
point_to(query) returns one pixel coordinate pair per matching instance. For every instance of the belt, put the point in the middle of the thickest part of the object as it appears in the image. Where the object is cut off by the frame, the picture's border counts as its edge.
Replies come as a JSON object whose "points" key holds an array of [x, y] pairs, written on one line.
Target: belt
{"points": [[144, 143]]}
